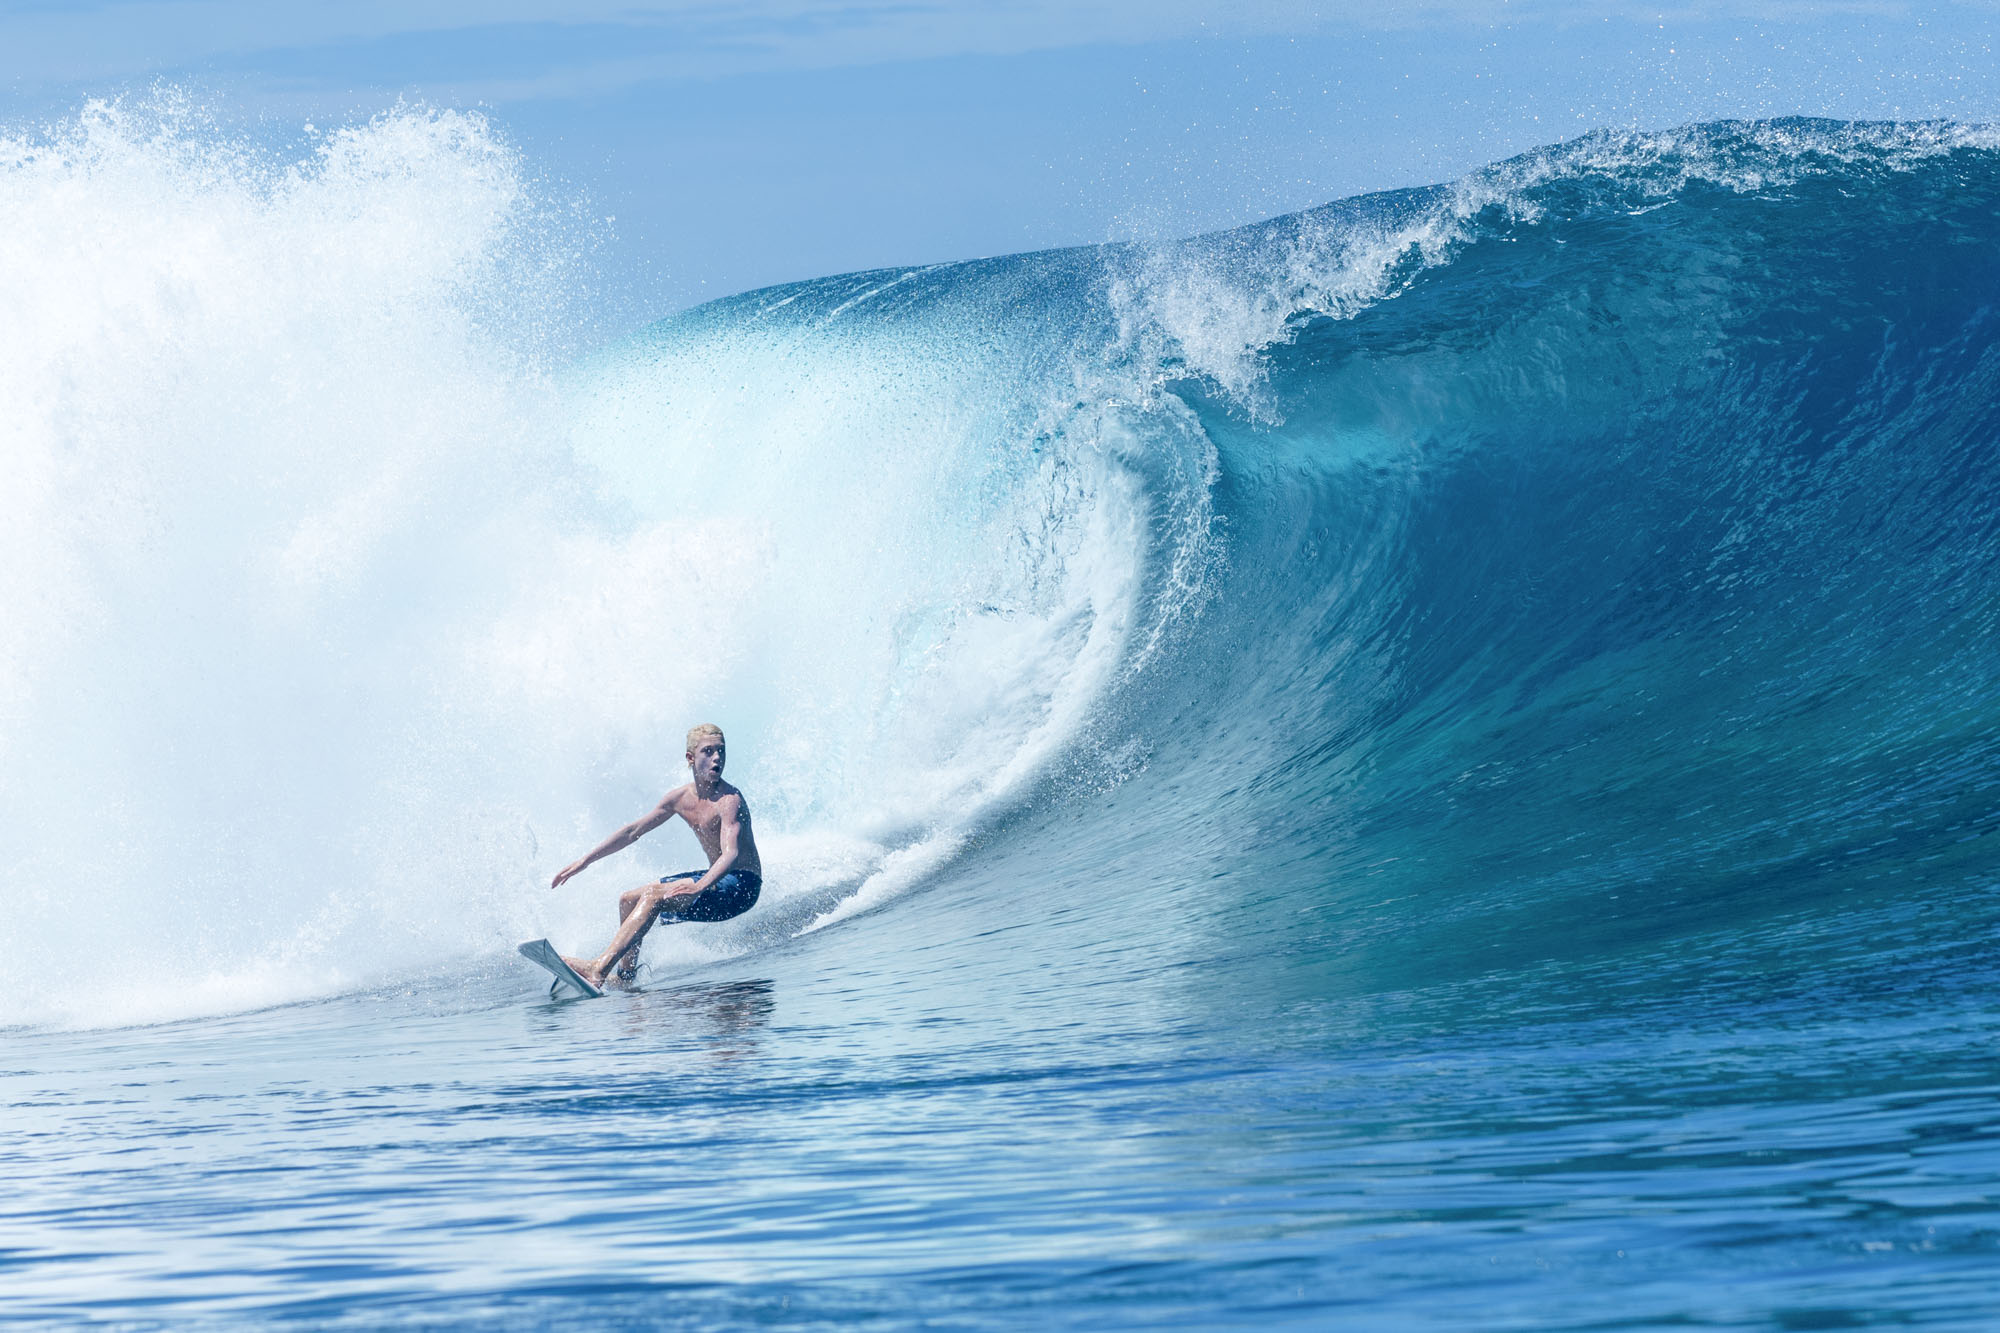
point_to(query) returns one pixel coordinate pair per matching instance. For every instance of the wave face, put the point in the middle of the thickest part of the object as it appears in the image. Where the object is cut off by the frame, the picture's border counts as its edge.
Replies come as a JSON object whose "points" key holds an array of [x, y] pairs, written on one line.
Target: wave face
{"points": [[1612, 539], [1583, 557]]}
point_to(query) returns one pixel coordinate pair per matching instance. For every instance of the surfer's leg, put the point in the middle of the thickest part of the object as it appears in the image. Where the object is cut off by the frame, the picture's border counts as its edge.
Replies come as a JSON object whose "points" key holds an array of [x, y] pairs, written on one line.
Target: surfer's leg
{"points": [[645, 909], [628, 962]]}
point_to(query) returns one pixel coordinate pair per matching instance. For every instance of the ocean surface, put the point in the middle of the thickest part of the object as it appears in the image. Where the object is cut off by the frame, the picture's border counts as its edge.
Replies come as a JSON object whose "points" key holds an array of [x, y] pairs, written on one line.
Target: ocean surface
{"points": [[1428, 763]]}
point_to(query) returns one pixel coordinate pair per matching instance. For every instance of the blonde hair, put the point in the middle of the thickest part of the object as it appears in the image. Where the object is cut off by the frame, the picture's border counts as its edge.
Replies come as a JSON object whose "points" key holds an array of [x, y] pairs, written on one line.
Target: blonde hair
{"points": [[695, 735]]}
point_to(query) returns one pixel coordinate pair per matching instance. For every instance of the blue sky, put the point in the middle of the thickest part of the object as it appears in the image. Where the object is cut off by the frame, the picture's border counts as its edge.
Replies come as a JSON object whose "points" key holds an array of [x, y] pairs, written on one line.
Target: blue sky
{"points": [[744, 144]]}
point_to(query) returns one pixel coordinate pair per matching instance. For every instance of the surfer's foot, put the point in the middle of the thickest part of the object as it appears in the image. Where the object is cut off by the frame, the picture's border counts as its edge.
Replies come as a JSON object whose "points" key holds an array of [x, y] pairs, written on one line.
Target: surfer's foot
{"points": [[587, 969]]}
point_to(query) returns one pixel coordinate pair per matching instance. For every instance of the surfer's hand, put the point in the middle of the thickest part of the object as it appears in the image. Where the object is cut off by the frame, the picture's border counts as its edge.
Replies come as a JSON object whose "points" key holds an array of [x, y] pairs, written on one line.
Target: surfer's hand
{"points": [[565, 873]]}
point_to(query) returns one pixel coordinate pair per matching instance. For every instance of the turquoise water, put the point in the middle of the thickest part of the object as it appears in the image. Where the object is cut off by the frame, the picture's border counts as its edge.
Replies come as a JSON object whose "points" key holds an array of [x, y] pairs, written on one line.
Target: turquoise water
{"points": [[1429, 763]]}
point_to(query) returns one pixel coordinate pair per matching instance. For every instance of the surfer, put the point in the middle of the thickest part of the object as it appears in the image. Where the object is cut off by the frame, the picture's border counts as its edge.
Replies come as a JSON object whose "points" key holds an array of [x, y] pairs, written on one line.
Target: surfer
{"points": [[721, 821]]}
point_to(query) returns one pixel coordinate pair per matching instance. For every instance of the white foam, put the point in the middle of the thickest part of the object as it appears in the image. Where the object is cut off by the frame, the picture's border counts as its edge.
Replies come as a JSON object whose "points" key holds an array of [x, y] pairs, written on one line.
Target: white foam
{"points": [[331, 623]]}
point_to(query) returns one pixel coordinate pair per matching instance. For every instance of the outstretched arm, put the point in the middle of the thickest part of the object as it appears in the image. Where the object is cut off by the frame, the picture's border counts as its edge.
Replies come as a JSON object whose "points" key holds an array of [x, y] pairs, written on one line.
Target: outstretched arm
{"points": [[622, 839]]}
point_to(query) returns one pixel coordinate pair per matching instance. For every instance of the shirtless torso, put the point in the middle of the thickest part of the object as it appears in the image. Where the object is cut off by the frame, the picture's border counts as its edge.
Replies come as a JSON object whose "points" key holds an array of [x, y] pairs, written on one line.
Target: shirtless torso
{"points": [[707, 815]]}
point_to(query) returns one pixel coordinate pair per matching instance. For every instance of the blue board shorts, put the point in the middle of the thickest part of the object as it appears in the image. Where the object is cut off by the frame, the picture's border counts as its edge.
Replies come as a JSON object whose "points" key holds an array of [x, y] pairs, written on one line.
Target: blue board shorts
{"points": [[732, 895]]}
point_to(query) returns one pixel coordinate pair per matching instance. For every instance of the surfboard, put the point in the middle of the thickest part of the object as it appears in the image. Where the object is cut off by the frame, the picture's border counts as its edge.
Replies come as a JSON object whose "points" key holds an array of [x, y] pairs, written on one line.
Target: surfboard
{"points": [[543, 954]]}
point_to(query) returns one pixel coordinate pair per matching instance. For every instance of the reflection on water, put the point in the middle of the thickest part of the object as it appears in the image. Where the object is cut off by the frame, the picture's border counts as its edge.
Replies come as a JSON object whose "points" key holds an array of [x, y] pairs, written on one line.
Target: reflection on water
{"points": [[729, 1016]]}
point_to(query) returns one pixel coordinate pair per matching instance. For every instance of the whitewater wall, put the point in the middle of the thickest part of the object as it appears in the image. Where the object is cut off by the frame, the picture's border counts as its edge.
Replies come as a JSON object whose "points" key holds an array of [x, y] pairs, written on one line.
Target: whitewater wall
{"points": [[343, 605]]}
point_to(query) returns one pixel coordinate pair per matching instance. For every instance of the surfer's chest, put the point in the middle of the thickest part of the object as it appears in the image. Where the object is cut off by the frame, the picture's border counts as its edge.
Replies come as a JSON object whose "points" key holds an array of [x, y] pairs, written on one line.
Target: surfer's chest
{"points": [[707, 824]]}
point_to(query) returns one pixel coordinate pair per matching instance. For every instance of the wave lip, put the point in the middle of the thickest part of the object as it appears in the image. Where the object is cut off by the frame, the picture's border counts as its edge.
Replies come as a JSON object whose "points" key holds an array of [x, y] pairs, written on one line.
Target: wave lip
{"points": [[1211, 306]]}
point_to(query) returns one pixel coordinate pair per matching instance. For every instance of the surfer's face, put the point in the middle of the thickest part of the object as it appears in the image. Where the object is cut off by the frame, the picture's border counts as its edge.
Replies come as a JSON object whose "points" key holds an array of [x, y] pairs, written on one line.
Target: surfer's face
{"points": [[706, 761]]}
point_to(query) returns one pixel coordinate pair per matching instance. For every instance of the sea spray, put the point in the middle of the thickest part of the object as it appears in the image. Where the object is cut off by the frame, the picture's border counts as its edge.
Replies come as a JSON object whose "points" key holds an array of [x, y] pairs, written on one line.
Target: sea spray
{"points": [[265, 460], [341, 606]]}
